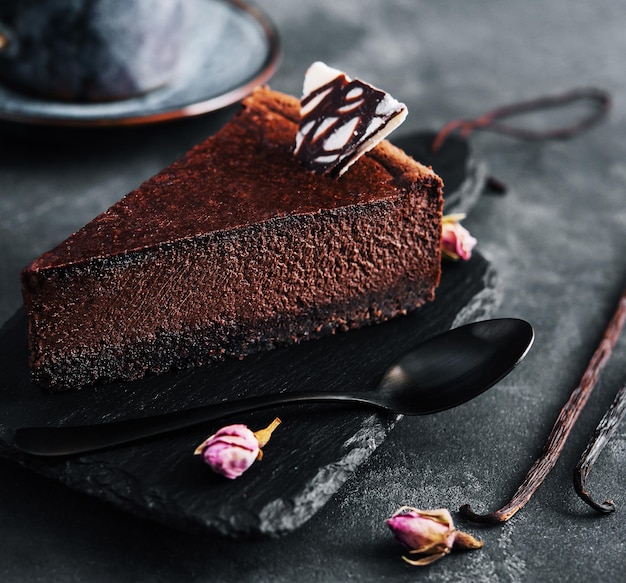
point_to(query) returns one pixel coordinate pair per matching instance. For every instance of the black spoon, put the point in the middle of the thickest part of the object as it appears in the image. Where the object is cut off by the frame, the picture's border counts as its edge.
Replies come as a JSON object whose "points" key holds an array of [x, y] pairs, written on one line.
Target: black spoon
{"points": [[438, 374]]}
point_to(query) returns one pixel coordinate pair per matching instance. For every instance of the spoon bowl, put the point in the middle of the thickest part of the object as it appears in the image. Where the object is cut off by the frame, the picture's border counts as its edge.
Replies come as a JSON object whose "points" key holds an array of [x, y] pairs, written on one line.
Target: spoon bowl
{"points": [[456, 366], [443, 372]]}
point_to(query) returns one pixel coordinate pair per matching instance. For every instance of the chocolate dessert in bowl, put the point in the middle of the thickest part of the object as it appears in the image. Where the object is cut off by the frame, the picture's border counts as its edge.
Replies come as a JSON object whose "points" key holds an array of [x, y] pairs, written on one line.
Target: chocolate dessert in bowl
{"points": [[90, 51]]}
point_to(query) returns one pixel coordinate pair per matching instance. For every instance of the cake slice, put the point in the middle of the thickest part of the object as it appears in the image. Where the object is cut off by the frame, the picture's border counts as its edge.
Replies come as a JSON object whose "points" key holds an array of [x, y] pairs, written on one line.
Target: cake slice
{"points": [[234, 248]]}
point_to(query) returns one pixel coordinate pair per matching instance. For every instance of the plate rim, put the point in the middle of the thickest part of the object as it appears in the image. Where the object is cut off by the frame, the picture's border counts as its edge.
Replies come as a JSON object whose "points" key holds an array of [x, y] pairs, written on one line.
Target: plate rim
{"points": [[184, 110]]}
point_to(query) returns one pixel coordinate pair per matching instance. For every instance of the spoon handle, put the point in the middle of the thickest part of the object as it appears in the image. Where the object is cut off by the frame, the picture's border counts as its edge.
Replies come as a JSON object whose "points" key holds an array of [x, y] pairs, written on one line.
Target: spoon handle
{"points": [[74, 439]]}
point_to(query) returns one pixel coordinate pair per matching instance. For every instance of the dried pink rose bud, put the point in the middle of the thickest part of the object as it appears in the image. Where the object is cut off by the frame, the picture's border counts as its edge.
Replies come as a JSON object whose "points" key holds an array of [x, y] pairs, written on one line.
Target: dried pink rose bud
{"points": [[430, 533], [456, 241], [234, 448]]}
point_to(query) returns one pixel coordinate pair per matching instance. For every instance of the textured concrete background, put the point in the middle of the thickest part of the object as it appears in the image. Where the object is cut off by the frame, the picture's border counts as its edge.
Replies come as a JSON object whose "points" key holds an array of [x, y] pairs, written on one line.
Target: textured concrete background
{"points": [[557, 238]]}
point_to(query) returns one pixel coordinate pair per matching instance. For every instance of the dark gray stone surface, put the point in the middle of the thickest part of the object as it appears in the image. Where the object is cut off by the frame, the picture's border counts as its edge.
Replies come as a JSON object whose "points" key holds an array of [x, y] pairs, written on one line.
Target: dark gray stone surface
{"points": [[557, 239]]}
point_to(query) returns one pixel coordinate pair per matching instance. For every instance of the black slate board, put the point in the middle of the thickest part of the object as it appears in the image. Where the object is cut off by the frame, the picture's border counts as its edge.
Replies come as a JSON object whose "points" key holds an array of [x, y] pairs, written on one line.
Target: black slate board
{"points": [[310, 456], [464, 176]]}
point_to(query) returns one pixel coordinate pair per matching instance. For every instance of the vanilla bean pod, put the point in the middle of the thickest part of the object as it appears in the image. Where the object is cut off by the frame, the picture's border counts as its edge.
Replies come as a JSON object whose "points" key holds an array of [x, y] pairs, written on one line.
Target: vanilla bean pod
{"points": [[491, 121], [605, 430], [562, 427]]}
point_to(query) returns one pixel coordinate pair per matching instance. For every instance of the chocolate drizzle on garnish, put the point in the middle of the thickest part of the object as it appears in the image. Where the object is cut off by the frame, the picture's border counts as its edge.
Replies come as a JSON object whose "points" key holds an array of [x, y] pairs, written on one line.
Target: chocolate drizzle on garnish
{"points": [[341, 119]]}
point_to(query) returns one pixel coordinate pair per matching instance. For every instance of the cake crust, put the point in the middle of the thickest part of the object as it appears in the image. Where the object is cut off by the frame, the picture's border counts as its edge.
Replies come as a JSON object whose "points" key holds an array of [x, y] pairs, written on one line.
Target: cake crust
{"points": [[234, 248]]}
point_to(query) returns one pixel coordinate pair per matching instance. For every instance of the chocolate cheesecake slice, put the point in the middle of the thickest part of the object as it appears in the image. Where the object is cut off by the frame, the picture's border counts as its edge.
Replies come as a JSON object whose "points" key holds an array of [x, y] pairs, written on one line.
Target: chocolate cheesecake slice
{"points": [[235, 248]]}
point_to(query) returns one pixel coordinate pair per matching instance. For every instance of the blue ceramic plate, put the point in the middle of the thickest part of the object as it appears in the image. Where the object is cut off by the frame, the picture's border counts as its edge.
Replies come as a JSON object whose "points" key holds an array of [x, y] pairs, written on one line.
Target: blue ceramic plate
{"points": [[231, 48]]}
